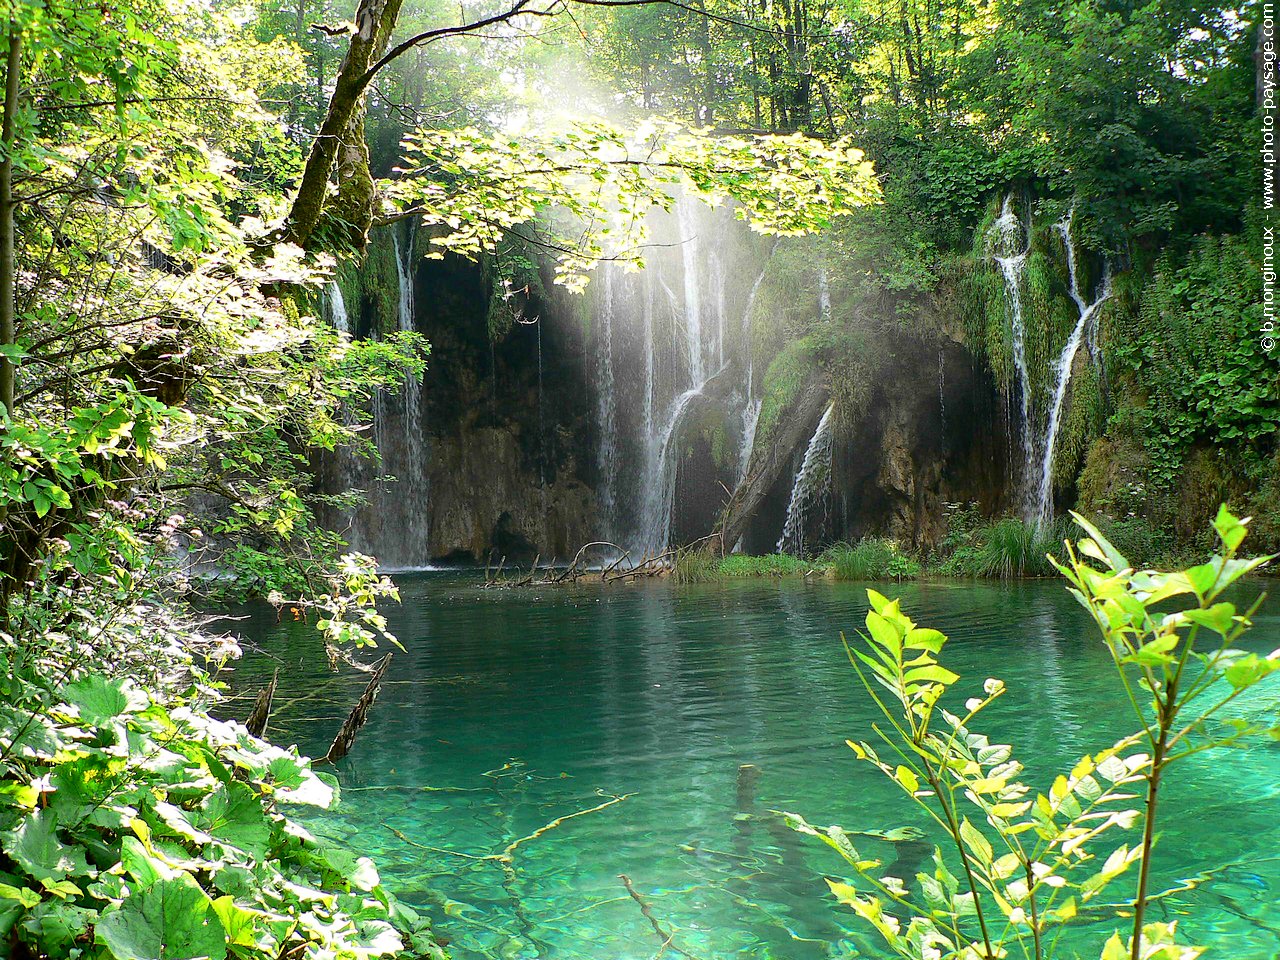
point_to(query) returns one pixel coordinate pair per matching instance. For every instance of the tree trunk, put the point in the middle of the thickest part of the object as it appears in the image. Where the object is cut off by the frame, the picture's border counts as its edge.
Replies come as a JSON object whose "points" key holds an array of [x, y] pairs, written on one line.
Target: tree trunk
{"points": [[13, 67], [340, 141]]}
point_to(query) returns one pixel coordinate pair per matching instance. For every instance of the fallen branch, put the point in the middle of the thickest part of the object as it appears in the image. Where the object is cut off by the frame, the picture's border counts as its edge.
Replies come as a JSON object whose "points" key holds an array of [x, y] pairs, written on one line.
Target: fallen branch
{"points": [[359, 715], [667, 938]]}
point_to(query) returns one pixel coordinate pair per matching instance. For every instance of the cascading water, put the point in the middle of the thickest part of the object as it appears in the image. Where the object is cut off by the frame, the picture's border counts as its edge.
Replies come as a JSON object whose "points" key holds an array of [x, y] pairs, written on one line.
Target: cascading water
{"points": [[751, 403], [607, 401], [675, 325], [1005, 245], [337, 307], [1065, 364], [811, 484], [414, 439]]}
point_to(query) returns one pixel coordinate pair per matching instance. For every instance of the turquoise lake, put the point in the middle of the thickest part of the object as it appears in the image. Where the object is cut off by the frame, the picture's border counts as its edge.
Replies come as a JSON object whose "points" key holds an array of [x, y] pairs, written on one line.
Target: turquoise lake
{"points": [[512, 708]]}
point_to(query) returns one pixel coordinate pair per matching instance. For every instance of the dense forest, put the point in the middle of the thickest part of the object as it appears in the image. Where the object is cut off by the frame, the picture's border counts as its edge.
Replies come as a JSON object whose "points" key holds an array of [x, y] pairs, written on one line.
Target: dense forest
{"points": [[298, 298]]}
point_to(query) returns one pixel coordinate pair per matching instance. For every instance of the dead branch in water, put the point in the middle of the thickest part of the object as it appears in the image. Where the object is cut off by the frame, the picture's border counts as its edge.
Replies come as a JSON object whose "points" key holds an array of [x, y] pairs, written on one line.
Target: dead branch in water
{"points": [[665, 937], [261, 712], [359, 714]]}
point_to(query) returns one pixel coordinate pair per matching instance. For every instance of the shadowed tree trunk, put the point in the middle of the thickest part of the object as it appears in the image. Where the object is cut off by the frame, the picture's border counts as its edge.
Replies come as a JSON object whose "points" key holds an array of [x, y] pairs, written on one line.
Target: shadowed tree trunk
{"points": [[340, 146]]}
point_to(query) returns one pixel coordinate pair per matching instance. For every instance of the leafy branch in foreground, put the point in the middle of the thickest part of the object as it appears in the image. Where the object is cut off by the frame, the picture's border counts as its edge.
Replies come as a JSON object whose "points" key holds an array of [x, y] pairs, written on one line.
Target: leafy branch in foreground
{"points": [[1017, 869], [594, 184]]}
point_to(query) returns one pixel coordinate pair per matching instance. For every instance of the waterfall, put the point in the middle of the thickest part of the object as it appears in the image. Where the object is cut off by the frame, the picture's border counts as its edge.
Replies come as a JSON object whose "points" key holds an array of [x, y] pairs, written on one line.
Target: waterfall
{"points": [[659, 338], [607, 404], [751, 403], [824, 294], [1065, 365], [337, 307], [1003, 244], [412, 386], [811, 484], [692, 293]]}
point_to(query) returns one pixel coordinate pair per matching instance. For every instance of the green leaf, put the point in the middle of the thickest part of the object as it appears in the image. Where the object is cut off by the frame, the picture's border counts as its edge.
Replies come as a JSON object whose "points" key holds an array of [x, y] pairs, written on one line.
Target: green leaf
{"points": [[978, 845], [99, 699], [35, 847], [1230, 529], [1220, 618], [233, 814], [171, 920]]}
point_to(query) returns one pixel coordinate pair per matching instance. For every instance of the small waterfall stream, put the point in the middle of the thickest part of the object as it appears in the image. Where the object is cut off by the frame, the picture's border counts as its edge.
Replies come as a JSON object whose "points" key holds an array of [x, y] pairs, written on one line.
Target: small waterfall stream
{"points": [[811, 484], [337, 307], [1065, 365], [1006, 246], [1040, 429]]}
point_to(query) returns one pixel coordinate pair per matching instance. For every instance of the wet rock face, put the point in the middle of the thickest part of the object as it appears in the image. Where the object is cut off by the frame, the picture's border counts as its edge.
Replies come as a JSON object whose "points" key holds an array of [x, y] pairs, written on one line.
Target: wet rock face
{"points": [[913, 450], [929, 429], [503, 465], [485, 504]]}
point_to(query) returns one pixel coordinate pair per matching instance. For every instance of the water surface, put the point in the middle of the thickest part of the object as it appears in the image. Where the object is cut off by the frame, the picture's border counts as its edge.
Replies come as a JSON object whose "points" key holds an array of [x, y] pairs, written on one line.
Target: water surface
{"points": [[512, 708]]}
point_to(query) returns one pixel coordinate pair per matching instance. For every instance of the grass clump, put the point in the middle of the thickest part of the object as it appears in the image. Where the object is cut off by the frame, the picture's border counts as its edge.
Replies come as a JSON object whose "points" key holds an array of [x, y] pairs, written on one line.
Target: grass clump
{"points": [[871, 558], [703, 566], [696, 565], [741, 565], [1006, 549]]}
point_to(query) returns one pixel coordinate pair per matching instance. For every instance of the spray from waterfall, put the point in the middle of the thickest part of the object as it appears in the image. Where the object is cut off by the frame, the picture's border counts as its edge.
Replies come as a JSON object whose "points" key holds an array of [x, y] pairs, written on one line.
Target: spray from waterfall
{"points": [[812, 484], [607, 403]]}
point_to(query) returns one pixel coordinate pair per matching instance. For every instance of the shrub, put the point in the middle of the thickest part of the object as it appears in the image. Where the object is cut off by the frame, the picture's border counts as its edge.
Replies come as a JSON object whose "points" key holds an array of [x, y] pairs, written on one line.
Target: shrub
{"points": [[1007, 549], [137, 827], [872, 559], [1017, 866]]}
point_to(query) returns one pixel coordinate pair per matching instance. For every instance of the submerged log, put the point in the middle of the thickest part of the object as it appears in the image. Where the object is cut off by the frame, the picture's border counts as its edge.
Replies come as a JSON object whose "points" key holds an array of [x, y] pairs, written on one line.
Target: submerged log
{"points": [[793, 429], [261, 712], [359, 714]]}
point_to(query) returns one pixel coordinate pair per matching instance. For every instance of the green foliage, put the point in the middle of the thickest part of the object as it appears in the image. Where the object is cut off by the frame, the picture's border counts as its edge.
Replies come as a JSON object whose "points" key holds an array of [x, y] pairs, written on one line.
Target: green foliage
{"points": [[1015, 870], [695, 566], [136, 827], [1191, 348], [476, 188], [1003, 550], [871, 558], [703, 566], [741, 565]]}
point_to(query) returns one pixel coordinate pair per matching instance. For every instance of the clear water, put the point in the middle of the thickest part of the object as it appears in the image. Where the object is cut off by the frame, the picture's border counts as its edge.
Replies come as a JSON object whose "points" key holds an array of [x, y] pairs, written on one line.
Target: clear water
{"points": [[513, 708]]}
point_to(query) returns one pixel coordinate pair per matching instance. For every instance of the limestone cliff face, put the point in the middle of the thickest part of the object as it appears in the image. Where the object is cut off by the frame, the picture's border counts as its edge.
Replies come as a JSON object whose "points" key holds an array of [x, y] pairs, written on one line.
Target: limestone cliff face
{"points": [[486, 505], [934, 432]]}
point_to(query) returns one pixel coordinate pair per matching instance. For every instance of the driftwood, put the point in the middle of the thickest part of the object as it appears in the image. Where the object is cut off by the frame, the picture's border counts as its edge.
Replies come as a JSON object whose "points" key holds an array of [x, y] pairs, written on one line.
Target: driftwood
{"points": [[794, 427], [261, 712], [649, 566], [665, 937], [359, 714]]}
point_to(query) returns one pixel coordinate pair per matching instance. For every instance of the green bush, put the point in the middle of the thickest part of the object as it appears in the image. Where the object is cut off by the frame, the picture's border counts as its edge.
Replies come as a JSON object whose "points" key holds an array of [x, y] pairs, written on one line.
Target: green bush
{"points": [[137, 827], [871, 559], [740, 565], [1006, 549]]}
